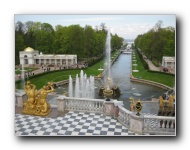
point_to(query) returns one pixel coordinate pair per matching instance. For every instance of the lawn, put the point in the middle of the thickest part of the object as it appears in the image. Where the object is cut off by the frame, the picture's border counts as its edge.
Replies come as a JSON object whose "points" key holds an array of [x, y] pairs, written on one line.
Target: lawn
{"points": [[166, 79]]}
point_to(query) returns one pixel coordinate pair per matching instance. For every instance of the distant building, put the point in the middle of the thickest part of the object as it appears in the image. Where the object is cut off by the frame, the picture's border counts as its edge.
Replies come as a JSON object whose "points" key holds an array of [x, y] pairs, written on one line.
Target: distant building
{"points": [[168, 62], [30, 56]]}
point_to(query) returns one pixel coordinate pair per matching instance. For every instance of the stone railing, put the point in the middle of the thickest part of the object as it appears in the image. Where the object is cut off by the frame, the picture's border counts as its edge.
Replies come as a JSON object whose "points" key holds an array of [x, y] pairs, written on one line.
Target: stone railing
{"points": [[143, 124], [88, 105], [159, 125], [146, 124], [80, 104], [84, 104], [124, 116]]}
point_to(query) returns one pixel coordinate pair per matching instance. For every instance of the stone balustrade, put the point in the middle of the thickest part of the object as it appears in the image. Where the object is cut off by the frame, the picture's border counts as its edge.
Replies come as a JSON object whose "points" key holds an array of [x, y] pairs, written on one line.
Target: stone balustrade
{"points": [[81, 104], [146, 124], [159, 125], [143, 124], [124, 116]]}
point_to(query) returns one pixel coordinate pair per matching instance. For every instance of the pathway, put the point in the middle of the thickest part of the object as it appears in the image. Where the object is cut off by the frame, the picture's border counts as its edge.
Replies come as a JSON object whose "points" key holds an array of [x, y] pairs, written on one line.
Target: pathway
{"points": [[150, 64]]}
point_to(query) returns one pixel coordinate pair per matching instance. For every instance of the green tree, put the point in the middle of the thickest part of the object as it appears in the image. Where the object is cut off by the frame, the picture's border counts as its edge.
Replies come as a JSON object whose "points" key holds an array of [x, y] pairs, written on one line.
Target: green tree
{"points": [[44, 38], [29, 36], [157, 42], [19, 46], [90, 41], [74, 41]]}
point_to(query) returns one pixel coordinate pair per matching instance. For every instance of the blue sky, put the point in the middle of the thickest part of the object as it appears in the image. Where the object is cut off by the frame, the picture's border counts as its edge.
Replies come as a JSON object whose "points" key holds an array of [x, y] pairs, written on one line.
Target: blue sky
{"points": [[126, 26]]}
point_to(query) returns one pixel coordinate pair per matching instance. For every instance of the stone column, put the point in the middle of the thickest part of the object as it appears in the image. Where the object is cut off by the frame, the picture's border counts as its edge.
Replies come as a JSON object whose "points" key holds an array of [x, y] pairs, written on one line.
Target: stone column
{"points": [[72, 62], [61, 62], [60, 103], [166, 64], [76, 60], [66, 62], [172, 65]]}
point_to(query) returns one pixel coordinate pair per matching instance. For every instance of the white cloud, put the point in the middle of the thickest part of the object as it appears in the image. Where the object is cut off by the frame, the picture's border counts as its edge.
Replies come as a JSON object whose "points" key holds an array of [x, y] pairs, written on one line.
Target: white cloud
{"points": [[101, 18], [131, 31]]}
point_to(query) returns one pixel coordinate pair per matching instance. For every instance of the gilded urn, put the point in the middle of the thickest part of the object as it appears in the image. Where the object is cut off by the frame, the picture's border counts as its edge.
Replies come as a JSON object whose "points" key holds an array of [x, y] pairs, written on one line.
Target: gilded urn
{"points": [[138, 107], [108, 93]]}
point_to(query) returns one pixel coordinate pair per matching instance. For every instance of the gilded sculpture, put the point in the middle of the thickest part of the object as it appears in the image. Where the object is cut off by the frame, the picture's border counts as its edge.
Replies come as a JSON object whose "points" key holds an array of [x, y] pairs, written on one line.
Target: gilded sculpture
{"points": [[36, 103], [132, 105]]}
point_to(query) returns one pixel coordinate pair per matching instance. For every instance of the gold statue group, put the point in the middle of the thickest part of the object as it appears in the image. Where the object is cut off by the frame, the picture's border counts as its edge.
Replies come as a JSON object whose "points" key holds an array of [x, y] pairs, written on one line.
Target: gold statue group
{"points": [[36, 103]]}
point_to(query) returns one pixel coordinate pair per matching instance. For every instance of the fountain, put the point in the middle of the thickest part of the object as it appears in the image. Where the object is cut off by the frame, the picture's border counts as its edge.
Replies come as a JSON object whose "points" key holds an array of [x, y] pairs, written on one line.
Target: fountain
{"points": [[70, 86], [109, 89], [84, 87], [108, 92], [107, 63]]}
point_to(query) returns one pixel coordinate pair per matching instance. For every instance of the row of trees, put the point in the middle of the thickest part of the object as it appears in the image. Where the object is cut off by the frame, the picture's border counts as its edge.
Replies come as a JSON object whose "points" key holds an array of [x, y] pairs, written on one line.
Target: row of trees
{"points": [[85, 42], [157, 42]]}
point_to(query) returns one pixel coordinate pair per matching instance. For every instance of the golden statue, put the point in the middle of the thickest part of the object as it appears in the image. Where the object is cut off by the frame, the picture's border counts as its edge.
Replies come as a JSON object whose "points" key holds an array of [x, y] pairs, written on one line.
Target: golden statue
{"points": [[100, 75], [166, 102], [116, 91], [132, 77], [132, 105], [161, 101], [30, 104], [36, 103]]}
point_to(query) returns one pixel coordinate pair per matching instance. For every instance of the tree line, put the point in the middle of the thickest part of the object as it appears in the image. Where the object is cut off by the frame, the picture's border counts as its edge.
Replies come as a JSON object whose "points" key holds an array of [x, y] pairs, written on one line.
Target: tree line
{"points": [[85, 42], [157, 42]]}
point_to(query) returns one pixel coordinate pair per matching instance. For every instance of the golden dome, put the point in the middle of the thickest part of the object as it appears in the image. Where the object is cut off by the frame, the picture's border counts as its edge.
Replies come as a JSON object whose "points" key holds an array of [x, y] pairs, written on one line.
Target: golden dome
{"points": [[28, 49]]}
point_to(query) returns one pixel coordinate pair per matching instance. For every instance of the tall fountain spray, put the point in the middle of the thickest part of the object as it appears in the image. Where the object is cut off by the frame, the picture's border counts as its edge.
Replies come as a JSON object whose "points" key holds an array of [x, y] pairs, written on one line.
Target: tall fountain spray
{"points": [[84, 87], [77, 86], [107, 63], [70, 86]]}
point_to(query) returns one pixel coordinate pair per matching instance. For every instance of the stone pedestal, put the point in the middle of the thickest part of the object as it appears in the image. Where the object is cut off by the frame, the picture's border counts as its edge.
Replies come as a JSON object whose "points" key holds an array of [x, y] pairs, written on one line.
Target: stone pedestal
{"points": [[20, 98], [136, 124], [60, 103], [109, 108]]}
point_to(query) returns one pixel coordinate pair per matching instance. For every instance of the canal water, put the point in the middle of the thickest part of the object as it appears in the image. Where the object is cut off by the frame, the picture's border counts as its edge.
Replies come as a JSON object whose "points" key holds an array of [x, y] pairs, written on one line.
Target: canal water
{"points": [[120, 72]]}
